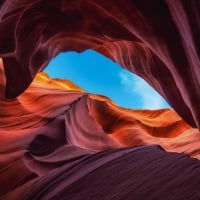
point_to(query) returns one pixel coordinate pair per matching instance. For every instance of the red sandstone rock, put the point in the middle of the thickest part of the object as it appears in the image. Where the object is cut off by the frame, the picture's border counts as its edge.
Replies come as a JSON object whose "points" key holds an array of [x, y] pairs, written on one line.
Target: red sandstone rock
{"points": [[50, 125], [56, 139], [158, 41]]}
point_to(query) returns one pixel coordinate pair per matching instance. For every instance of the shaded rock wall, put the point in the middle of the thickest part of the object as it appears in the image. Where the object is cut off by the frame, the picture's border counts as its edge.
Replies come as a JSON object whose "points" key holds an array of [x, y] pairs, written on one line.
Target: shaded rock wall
{"points": [[56, 139], [158, 40], [54, 125]]}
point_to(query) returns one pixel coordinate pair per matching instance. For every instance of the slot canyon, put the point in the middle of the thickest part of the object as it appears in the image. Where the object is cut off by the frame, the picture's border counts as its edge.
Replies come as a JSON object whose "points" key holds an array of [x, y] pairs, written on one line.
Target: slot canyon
{"points": [[57, 141]]}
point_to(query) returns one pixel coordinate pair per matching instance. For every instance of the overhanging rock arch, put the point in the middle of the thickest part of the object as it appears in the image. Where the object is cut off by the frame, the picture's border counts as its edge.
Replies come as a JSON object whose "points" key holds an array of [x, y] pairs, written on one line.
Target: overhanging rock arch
{"points": [[157, 40]]}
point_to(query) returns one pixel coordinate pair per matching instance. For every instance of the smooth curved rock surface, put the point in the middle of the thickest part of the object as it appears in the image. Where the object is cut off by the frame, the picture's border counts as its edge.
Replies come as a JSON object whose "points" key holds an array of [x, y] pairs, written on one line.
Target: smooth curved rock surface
{"points": [[158, 40], [55, 137], [59, 142]]}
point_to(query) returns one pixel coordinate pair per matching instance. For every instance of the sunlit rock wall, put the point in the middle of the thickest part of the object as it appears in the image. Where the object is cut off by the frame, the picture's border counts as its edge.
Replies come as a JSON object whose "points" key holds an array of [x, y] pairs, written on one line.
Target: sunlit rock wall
{"points": [[55, 139], [158, 40], [55, 123]]}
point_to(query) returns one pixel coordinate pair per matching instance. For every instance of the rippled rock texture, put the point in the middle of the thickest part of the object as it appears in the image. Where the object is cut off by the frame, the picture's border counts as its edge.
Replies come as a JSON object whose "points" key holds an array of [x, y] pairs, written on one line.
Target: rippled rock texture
{"points": [[55, 133], [158, 40], [58, 142]]}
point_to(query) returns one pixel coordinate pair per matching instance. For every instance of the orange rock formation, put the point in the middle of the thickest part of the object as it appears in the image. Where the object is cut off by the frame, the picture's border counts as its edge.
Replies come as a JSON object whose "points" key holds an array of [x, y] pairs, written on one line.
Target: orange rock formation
{"points": [[158, 41], [56, 139]]}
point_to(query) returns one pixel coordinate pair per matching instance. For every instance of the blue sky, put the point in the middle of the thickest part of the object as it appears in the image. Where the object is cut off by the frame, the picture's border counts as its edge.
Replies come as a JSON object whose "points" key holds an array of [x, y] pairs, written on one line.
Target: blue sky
{"points": [[97, 74]]}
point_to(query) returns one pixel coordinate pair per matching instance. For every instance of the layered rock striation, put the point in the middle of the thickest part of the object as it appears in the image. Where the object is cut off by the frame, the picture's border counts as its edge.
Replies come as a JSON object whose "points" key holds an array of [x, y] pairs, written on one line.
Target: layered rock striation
{"points": [[157, 40], [59, 142], [55, 127]]}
